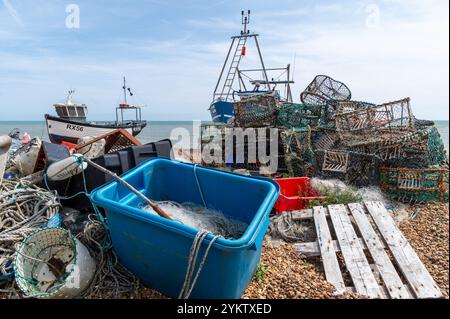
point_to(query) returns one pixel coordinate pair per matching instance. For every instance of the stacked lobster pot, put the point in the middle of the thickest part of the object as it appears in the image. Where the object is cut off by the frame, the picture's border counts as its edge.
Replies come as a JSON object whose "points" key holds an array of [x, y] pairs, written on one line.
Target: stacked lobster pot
{"points": [[329, 135], [364, 144]]}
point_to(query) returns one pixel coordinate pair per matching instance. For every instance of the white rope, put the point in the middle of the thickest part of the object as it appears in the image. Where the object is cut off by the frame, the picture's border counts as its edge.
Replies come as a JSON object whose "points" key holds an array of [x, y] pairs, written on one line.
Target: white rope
{"points": [[111, 280], [23, 210], [189, 283]]}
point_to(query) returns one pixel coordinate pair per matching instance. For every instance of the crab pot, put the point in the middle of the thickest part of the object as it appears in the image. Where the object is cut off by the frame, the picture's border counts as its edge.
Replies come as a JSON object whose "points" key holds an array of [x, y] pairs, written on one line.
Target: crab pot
{"points": [[157, 250], [53, 264]]}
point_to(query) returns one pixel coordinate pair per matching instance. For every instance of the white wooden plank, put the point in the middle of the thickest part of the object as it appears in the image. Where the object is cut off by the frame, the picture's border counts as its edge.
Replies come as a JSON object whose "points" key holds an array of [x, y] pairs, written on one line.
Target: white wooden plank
{"points": [[305, 214], [388, 273], [412, 268], [355, 260], [330, 263], [312, 249]]}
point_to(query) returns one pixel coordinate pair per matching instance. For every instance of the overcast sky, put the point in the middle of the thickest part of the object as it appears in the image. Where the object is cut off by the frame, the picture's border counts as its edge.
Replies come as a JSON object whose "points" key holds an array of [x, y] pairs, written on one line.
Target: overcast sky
{"points": [[172, 51]]}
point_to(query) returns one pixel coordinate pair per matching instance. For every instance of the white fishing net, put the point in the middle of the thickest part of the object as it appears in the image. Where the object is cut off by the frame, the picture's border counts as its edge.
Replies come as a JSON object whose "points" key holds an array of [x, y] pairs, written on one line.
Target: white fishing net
{"points": [[201, 218]]}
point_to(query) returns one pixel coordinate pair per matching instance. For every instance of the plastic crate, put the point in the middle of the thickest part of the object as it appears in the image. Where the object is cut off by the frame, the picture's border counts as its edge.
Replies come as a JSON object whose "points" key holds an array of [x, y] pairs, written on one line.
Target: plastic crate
{"points": [[295, 193], [119, 162], [156, 249]]}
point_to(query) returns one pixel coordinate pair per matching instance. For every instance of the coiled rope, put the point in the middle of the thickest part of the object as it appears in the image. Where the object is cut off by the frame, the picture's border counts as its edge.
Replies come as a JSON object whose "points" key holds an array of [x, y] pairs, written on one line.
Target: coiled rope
{"points": [[111, 280], [23, 210]]}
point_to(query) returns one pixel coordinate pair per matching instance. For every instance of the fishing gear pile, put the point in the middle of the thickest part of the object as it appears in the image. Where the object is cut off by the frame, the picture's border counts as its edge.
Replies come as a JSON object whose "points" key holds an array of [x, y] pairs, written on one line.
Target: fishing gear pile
{"points": [[329, 135], [23, 210]]}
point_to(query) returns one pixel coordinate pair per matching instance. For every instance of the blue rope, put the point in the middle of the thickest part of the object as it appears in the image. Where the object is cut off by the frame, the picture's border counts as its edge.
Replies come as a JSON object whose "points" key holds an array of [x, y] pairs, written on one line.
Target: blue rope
{"points": [[198, 185]]}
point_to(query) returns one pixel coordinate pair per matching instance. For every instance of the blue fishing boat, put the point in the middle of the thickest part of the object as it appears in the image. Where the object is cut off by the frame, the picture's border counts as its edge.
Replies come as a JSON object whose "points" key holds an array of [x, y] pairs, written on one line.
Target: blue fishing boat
{"points": [[232, 86]]}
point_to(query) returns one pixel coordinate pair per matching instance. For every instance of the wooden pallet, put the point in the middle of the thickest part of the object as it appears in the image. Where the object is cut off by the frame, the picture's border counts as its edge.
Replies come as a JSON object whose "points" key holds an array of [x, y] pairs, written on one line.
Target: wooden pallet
{"points": [[394, 271]]}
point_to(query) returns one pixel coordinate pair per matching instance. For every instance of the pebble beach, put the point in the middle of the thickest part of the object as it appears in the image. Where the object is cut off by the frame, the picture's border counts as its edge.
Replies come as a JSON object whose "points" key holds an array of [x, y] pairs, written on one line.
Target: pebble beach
{"points": [[289, 275]]}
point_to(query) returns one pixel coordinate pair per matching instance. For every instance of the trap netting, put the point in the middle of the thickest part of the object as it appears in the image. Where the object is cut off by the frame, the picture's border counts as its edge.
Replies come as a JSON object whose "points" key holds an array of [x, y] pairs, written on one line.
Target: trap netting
{"points": [[420, 148], [299, 155], [332, 108], [389, 115], [415, 185], [353, 168], [239, 148], [291, 115], [256, 111], [322, 89], [51, 263]]}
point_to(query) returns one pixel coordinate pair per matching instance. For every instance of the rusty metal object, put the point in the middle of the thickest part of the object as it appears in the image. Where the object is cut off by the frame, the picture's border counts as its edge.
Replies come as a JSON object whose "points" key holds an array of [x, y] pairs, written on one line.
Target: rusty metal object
{"points": [[114, 141]]}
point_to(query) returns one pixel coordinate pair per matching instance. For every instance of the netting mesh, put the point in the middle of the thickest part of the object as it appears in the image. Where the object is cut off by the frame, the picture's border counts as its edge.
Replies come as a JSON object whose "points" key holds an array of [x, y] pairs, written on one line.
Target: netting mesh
{"points": [[291, 115], [366, 119], [299, 155], [33, 274], [331, 136], [241, 149], [351, 167], [256, 111], [415, 185]]}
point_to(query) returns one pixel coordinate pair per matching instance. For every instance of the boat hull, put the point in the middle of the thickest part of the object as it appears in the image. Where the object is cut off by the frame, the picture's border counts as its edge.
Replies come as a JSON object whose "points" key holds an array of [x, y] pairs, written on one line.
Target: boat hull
{"points": [[60, 130], [221, 111]]}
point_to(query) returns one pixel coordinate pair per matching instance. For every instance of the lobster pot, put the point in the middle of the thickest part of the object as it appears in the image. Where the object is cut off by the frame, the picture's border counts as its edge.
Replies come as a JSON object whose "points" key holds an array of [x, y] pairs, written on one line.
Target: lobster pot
{"points": [[256, 111], [52, 264], [324, 88], [298, 116], [356, 169], [415, 185]]}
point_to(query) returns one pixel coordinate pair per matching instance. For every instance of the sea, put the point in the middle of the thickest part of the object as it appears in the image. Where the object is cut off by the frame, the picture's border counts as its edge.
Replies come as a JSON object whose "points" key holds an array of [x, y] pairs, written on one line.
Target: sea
{"points": [[180, 132]]}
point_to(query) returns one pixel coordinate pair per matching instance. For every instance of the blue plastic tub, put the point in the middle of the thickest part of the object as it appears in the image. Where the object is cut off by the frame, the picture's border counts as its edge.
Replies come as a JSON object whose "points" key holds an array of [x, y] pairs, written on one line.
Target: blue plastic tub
{"points": [[156, 250]]}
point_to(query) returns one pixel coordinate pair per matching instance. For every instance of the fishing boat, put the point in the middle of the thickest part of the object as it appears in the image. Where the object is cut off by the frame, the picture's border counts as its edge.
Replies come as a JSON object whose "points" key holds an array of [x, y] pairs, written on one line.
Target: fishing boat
{"points": [[237, 84], [71, 123]]}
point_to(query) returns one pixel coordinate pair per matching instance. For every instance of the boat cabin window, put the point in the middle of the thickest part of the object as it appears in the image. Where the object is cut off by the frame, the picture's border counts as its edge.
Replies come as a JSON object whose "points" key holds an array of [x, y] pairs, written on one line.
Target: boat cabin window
{"points": [[72, 112], [61, 111], [80, 111]]}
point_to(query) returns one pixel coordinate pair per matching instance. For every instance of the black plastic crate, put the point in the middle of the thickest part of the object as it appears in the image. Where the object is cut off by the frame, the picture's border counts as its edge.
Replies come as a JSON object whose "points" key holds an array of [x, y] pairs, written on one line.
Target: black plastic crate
{"points": [[118, 162]]}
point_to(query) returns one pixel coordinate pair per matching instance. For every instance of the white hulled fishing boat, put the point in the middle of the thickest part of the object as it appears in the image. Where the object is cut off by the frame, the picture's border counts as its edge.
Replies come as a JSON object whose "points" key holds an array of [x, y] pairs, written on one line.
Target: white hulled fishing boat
{"points": [[71, 123]]}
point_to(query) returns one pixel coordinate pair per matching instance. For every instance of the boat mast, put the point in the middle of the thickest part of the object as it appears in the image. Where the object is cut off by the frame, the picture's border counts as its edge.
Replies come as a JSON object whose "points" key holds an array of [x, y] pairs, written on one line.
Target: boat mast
{"points": [[239, 52], [124, 90]]}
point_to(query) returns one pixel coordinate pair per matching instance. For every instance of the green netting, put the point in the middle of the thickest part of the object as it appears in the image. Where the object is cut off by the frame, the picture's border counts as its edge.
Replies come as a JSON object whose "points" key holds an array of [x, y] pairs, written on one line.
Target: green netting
{"points": [[256, 111], [423, 148], [299, 155], [435, 148], [353, 168], [415, 185], [291, 115]]}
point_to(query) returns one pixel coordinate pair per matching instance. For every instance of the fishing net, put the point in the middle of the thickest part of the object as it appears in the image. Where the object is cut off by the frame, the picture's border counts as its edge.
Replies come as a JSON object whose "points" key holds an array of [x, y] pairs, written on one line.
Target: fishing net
{"points": [[255, 111], [415, 185], [324, 88], [299, 116], [202, 218]]}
